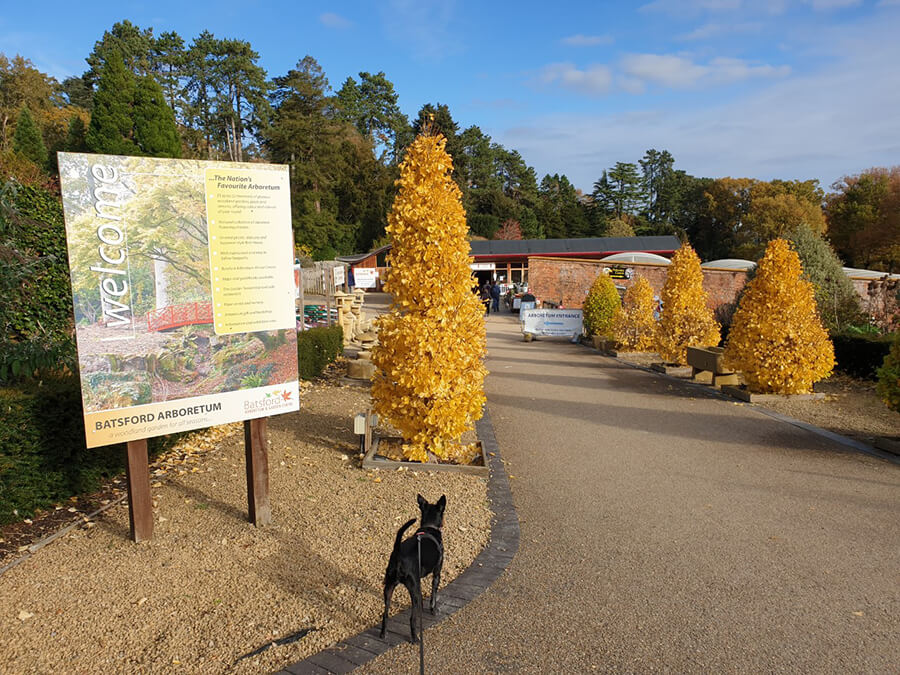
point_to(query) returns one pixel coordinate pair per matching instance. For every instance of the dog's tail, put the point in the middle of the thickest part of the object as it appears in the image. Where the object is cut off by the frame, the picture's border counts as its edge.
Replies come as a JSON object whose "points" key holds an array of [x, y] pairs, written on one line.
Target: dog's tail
{"points": [[403, 528]]}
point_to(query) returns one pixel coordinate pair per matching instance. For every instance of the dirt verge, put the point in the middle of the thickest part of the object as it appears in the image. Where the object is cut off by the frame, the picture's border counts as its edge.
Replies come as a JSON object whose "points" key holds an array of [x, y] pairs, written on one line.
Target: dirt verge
{"points": [[210, 588]]}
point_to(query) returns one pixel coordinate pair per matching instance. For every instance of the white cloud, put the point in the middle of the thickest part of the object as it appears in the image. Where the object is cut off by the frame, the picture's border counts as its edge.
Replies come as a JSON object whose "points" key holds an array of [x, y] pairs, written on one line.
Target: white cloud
{"points": [[712, 29], [424, 27], [679, 72], [580, 40], [665, 69], [679, 7], [593, 80], [332, 20], [824, 5]]}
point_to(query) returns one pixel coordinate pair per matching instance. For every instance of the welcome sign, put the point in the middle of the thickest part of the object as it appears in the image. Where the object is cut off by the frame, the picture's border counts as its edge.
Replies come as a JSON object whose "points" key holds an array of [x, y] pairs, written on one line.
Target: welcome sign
{"points": [[182, 283]]}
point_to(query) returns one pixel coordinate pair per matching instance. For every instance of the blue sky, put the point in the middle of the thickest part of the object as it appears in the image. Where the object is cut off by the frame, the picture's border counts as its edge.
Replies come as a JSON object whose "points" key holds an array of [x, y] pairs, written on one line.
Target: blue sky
{"points": [[790, 89]]}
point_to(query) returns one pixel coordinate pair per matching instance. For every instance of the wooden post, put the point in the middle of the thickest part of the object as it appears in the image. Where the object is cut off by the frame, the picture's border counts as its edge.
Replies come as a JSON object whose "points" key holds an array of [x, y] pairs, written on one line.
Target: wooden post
{"points": [[257, 471], [302, 303], [137, 471], [327, 284]]}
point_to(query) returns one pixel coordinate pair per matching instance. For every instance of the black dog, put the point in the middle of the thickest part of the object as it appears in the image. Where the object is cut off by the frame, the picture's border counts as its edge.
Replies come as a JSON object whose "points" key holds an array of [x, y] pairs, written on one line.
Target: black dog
{"points": [[403, 567]]}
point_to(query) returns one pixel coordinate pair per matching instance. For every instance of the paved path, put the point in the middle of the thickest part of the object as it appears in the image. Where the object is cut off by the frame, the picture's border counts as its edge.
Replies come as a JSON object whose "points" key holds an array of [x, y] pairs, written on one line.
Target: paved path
{"points": [[663, 530]]}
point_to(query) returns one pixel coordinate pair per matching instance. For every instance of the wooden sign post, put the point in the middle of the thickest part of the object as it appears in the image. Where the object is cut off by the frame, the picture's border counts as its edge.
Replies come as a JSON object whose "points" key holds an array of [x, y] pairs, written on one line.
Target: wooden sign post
{"points": [[140, 510], [137, 470], [257, 471]]}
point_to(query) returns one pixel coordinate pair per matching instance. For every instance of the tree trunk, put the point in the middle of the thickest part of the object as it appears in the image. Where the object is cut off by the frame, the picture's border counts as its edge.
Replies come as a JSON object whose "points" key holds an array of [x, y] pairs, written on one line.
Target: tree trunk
{"points": [[161, 283]]}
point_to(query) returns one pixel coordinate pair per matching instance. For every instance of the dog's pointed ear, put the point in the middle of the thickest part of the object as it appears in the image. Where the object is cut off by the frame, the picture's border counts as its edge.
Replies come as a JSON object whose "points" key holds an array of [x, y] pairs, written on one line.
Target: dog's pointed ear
{"points": [[442, 502], [421, 501]]}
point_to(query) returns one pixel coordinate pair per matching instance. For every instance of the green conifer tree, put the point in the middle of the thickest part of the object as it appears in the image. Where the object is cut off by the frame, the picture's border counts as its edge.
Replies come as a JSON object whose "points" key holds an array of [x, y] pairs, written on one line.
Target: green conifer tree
{"points": [[154, 122], [130, 115], [111, 130], [27, 140], [75, 138], [836, 299]]}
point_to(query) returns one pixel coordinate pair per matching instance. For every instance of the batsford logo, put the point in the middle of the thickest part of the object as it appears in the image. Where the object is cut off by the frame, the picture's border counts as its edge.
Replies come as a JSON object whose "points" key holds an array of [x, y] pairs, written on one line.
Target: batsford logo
{"points": [[271, 401]]}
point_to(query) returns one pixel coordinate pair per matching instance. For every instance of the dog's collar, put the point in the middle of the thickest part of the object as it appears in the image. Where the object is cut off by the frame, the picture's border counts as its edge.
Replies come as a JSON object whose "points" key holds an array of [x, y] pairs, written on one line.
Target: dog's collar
{"points": [[424, 530]]}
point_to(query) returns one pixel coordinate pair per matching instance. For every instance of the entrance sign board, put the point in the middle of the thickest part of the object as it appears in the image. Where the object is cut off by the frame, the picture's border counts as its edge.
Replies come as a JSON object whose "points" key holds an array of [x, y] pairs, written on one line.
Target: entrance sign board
{"points": [[552, 322], [183, 287], [364, 277]]}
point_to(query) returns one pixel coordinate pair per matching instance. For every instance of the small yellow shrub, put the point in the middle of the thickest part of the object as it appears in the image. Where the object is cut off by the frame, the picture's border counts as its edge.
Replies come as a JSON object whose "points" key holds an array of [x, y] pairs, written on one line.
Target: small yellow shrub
{"points": [[430, 372], [777, 339], [634, 327], [601, 306], [686, 319]]}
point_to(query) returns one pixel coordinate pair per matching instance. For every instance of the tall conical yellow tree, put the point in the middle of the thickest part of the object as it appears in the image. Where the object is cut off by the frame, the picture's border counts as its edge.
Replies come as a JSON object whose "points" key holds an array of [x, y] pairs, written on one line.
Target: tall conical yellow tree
{"points": [[634, 327], [430, 358], [601, 306], [686, 320], [777, 339]]}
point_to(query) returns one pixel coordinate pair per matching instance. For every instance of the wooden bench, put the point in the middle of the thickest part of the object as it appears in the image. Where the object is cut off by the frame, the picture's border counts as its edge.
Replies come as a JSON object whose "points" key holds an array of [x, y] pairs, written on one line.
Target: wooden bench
{"points": [[704, 360]]}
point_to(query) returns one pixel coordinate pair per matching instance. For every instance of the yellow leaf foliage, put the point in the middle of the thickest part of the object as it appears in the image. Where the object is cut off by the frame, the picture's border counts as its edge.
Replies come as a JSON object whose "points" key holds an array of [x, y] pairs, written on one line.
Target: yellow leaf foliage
{"points": [[777, 339], [634, 327], [601, 306], [430, 358], [686, 319]]}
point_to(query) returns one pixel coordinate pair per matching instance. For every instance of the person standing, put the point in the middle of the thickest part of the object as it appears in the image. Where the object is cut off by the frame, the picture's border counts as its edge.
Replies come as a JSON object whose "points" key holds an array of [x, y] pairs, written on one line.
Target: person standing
{"points": [[486, 296], [495, 297]]}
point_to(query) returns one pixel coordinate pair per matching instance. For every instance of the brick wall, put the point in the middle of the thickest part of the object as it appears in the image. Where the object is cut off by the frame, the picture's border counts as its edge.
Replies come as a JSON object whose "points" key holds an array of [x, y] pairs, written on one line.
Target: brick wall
{"points": [[567, 281]]}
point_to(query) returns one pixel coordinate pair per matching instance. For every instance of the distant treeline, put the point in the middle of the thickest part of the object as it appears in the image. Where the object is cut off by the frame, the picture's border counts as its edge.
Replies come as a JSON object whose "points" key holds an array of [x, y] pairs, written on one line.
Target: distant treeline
{"points": [[144, 94]]}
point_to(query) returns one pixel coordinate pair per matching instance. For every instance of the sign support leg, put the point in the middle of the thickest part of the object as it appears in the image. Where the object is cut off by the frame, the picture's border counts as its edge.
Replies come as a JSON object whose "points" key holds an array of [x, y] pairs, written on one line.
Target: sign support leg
{"points": [[257, 471], [137, 471]]}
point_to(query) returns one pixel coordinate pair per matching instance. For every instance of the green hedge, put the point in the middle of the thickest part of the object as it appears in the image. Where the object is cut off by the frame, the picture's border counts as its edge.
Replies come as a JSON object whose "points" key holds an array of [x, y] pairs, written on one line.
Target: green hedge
{"points": [[316, 348], [860, 355], [43, 458]]}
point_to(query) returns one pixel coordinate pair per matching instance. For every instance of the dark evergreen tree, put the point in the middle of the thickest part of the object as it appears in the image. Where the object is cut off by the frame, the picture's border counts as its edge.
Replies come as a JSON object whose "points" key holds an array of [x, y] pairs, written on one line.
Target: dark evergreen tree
{"points": [[131, 116], [836, 299], [75, 139], [111, 130], [619, 190], [130, 45], [154, 123], [27, 140], [371, 106], [78, 92]]}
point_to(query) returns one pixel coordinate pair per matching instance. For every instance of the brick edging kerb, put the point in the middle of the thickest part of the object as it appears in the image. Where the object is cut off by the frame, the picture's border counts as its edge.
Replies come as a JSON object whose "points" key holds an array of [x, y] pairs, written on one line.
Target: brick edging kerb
{"points": [[349, 654]]}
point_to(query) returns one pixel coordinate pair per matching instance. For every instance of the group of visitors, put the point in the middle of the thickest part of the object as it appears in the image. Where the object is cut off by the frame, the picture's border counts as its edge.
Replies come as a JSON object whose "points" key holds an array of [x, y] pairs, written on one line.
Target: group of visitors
{"points": [[490, 296]]}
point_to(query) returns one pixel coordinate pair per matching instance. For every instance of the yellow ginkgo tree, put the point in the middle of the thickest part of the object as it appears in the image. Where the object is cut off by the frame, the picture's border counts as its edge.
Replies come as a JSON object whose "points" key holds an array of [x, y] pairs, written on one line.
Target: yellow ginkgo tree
{"points": [[635, 326], [686, 319], [430, 374], [777, 339]]}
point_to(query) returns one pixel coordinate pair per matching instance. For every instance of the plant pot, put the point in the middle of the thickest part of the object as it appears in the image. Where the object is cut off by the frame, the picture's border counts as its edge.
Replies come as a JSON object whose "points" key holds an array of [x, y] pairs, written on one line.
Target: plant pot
{"points": [[373, 460], [673, 369]]}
